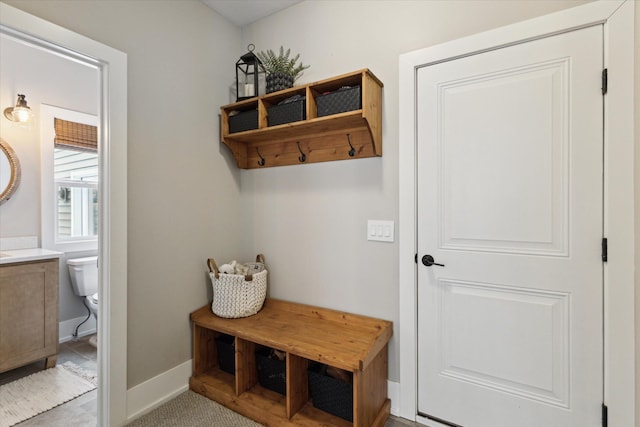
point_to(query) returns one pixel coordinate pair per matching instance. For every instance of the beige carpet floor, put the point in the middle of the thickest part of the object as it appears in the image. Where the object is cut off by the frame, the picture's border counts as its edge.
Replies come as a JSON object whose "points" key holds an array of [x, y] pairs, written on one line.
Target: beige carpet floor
{"points": [[192, 410]]}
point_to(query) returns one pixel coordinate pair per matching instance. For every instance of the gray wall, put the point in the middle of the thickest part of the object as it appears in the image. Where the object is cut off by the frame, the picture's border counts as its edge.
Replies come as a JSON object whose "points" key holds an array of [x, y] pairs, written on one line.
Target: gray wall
{"points": [[637, 204], [183, 187], [187, 200], [67, 85], [310, 220]]}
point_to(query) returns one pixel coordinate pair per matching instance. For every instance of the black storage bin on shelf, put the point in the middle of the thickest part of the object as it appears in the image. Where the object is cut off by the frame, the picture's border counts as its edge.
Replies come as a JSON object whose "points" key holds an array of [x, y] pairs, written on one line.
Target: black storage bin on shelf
{"points": [[226, 353], [272, 373], [339, 101], [244, 120], [287, 112], [330, 394]]}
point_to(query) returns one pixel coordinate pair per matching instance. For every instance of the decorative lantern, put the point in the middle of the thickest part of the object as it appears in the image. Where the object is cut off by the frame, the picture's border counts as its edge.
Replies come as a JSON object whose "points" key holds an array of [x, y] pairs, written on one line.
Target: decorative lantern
{"points": [[250, 75]]}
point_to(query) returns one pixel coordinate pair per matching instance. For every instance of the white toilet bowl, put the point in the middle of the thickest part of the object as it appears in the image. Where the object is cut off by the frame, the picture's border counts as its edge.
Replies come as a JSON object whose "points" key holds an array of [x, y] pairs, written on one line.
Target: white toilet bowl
{"points": [[92, 302], [84, 280]]}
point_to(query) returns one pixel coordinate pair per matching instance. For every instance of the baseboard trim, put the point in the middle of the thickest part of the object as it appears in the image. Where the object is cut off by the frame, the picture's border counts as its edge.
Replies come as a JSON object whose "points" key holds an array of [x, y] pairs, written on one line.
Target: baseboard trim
{"points": [[152, 393], [393, 393], [66, 328]]}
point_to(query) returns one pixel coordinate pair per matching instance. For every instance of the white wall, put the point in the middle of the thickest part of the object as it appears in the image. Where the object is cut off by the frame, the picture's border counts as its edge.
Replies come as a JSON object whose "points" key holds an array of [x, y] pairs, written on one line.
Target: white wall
{"points": [[67, 85], [310, 220]]}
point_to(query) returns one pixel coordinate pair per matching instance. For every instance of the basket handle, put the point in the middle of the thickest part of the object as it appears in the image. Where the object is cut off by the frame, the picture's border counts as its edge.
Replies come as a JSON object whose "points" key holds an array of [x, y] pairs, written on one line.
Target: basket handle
{"points": [[249, 277], [213, 267]]}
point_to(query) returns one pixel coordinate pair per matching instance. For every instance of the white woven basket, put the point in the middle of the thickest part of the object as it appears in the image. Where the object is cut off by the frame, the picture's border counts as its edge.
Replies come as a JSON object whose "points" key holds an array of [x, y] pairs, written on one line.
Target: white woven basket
{"points": [[237, 295]]}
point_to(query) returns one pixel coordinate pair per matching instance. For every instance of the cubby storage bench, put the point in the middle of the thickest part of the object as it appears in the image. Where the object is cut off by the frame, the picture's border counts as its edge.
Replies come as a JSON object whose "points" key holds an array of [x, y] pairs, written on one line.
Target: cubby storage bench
{"points": [[334, 119], [305, 333]]}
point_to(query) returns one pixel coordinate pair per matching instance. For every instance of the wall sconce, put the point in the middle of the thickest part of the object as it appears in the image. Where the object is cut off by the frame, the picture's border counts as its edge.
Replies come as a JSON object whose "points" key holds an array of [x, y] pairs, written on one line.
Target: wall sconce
{"points": [[21, 113]]}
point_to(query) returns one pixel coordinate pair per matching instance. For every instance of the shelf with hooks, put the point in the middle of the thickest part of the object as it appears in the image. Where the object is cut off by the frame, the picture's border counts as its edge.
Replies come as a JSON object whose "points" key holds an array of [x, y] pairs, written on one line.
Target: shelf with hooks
{"points": [[313, 133]]}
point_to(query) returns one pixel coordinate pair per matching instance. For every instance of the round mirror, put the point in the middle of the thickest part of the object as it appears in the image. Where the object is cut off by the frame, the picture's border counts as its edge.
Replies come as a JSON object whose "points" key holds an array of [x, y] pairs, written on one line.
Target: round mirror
{"points": [[9, 171]]}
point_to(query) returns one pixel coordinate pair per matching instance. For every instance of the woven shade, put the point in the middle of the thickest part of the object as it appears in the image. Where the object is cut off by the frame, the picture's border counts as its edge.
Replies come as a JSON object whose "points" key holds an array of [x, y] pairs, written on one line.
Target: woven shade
{"points": [[75, 136]]}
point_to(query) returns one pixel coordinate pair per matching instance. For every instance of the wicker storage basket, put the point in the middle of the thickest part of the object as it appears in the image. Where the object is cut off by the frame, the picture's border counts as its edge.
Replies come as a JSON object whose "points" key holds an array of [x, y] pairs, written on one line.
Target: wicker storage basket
{"points": [[272, 373], [287, 113], [244, 120], [339, 101], [237, 295], [330, 394], [225, 344]]}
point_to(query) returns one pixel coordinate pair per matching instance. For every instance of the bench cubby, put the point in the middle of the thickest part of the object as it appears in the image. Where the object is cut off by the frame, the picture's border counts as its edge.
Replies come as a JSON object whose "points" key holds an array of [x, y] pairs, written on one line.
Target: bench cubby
{"points": [[357, 344]]}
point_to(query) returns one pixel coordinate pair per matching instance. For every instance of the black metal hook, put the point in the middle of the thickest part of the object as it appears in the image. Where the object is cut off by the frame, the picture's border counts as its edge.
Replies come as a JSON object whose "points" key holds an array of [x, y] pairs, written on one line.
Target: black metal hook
{"points": [[262, 161], [352, 152], [303, 157]]}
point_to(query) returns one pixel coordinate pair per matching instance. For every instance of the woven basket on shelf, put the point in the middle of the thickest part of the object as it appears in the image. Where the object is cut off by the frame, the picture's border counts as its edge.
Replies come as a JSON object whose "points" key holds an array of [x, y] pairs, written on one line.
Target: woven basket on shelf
{"points": [[237, 295]]}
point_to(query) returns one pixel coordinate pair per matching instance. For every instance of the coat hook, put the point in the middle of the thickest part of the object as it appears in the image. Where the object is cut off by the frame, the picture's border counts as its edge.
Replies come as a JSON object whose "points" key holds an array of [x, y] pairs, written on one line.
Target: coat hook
{"points": [[303, 157], [352, 152], [261, 162]]}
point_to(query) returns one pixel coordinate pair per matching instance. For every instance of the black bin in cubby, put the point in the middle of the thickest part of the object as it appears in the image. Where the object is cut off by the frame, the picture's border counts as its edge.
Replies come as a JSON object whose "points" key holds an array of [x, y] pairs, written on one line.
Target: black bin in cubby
{"points": [[244, 120], [339, 101], [225, 344], [272, 372], [287, 112], [330, 394]]}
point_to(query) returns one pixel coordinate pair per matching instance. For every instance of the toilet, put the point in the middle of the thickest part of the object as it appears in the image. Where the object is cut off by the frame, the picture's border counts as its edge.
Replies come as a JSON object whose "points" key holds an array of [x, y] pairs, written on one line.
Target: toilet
{"points": [[84, 280]]}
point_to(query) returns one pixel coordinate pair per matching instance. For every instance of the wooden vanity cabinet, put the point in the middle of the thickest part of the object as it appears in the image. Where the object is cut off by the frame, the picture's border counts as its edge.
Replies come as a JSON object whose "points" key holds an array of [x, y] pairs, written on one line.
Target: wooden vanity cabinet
{"points": [[28, 313]]}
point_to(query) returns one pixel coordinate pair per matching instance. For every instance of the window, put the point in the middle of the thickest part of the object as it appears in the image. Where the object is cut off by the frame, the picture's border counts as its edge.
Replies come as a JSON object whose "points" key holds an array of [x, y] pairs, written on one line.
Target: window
{"points": [[70, 211], [76, 182]]}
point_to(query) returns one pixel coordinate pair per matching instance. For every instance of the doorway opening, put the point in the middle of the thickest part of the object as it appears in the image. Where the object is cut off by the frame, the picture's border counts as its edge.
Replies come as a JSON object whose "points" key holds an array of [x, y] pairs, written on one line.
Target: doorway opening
{"points": [[111, 94]]}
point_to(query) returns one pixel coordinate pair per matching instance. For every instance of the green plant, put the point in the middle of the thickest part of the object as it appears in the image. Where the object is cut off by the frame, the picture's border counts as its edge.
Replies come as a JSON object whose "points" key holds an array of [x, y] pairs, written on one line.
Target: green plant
{"points": [[282, 63]]}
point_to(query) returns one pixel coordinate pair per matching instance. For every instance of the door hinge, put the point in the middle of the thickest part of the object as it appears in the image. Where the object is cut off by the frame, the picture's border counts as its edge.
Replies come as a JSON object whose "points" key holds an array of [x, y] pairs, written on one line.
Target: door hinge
{"points": [[605, 416], [605, 81], [605, 250]]}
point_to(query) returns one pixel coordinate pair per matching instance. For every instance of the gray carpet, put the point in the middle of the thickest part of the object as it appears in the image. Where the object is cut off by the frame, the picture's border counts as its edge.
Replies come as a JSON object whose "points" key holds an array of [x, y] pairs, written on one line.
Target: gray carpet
{"points": [[190, 409]]}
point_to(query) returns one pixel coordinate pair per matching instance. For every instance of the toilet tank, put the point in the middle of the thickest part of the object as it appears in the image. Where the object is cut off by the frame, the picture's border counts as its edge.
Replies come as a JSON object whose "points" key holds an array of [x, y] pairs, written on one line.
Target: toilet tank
{"points": [[84, 275]]}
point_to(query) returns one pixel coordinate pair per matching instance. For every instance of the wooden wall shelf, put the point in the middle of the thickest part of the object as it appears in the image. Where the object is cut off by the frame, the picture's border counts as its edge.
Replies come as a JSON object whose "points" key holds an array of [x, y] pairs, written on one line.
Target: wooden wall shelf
{"points": [[321, 139], [354, 343]]}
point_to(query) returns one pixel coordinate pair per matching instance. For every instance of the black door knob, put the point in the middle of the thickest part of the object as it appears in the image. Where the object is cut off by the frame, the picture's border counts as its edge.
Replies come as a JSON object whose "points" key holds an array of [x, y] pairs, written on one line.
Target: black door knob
{"points": [[429, 261]]}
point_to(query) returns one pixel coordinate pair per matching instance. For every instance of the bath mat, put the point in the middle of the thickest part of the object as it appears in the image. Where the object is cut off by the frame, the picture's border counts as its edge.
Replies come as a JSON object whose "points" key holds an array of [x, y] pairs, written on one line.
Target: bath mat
{"points": [[37, 393]]}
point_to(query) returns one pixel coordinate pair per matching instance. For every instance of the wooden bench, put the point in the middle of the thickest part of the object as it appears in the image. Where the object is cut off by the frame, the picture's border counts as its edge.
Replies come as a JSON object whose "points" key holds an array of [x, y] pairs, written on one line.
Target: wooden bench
{"points": [[305, 333]]}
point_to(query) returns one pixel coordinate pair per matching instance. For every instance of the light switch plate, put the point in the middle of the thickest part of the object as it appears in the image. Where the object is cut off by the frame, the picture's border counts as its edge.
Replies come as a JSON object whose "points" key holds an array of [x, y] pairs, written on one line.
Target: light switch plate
{"points": [[380, 231]]}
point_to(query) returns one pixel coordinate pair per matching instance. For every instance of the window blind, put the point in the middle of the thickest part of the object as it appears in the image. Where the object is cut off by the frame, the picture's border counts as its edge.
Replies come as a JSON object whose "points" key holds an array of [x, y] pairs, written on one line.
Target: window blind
{"points": [[75, 136]]}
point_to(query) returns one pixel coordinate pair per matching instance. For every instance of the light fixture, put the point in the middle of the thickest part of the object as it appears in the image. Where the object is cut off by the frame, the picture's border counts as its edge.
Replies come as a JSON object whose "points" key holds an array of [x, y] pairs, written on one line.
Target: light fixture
{"points": [[21, 113]]}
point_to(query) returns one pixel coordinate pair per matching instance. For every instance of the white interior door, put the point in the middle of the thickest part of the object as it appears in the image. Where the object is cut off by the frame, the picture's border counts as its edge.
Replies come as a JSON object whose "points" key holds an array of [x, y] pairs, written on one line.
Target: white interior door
{"points": [[510, 202]]}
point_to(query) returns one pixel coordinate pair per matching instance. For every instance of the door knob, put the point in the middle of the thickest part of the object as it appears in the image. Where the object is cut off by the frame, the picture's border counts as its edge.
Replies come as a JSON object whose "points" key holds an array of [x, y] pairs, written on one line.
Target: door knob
{"points": [[429, 261]]}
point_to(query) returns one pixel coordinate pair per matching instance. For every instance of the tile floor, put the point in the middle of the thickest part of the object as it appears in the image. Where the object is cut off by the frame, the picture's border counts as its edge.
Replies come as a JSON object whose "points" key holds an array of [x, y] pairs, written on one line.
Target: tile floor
{"points": [[81, 412]]}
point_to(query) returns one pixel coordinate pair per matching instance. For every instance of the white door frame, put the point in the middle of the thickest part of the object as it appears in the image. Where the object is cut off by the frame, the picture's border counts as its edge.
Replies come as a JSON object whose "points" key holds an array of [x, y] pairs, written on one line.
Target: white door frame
{"points": [[617, 17], [111, 65]]}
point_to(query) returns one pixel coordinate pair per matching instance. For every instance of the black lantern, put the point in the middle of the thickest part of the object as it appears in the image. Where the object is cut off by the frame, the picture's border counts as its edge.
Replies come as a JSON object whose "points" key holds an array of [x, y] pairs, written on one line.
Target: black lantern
{"points": [[250, 75]]}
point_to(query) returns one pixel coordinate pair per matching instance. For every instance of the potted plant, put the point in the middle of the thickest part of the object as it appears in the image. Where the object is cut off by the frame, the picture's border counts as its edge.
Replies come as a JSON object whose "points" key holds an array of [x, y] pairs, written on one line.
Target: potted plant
{"points": [[282, 70]]}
